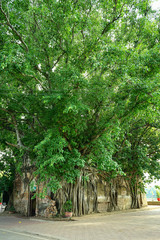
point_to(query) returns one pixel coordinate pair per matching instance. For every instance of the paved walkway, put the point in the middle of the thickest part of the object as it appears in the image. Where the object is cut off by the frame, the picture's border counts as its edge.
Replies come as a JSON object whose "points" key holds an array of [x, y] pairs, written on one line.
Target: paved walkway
{"points": [[132, 225]]}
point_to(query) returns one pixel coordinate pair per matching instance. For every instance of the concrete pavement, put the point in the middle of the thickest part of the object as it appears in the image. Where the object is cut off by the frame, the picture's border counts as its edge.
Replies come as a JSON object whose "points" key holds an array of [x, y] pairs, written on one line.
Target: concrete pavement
{"points": [[132, 225], [11, 235]]}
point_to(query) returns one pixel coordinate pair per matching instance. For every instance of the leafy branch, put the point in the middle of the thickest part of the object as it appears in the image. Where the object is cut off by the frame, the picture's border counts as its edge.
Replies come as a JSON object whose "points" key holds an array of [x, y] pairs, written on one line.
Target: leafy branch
{"points": [[13, 29]]}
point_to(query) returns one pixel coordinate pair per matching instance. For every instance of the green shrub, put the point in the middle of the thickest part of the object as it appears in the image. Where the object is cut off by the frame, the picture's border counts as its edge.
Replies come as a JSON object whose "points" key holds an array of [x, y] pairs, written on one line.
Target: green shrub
{"points": [[68, 206]]}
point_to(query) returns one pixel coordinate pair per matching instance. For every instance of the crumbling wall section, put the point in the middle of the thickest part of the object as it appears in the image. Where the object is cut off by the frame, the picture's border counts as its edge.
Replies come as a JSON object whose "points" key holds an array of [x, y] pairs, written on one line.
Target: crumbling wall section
{"points": [[21, 195], [87, 196]]}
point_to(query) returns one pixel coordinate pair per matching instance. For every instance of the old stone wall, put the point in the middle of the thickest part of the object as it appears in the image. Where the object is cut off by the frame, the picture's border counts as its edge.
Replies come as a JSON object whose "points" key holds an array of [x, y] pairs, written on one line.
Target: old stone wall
{"points": [[21, 195], [87, 198], [103, 193]]}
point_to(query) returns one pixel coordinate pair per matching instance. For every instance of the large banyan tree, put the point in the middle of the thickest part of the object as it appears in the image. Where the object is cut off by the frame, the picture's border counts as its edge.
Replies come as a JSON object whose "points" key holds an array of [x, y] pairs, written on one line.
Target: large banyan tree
{"points": [[79, 89]]}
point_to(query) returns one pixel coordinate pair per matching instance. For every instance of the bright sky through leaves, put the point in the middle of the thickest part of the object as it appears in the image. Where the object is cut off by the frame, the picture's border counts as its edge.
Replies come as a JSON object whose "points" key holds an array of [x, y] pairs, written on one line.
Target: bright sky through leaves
{"points": [[156, 5]]}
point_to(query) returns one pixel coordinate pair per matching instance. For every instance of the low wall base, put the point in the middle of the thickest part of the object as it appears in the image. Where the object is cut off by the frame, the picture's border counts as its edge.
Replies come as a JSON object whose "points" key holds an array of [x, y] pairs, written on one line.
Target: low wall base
{"points": [[153, 203]]}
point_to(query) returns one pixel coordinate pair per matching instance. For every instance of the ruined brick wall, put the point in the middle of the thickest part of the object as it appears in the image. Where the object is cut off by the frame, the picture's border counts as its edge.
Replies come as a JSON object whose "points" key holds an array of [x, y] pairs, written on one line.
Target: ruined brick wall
{"points": [[144, 200], [117, 194], [124, 197], [22, 199], [103, 192], [20, 195], [106, 196]]}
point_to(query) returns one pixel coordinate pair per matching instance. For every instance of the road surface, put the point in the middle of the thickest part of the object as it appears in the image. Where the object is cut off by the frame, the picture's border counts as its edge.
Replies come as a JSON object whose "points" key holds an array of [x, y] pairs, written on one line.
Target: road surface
{"points": [[129, 225]]}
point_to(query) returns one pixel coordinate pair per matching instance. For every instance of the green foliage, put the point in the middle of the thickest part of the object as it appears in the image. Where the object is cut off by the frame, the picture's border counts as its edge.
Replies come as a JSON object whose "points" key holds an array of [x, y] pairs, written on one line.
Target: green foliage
{"points": [[7, 171], [158, 193], [67, 206], [80, 87], [1, 197], [11, 209]]}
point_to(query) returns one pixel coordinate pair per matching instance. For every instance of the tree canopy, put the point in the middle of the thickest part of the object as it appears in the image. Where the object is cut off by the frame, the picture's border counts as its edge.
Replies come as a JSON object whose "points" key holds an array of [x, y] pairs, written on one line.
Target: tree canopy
{"points": [[79, 87]]}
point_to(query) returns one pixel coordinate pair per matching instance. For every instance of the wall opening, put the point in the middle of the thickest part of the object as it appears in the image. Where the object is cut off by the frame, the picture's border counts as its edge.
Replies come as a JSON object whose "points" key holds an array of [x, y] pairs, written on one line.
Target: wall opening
{"points": [[32, 204]]}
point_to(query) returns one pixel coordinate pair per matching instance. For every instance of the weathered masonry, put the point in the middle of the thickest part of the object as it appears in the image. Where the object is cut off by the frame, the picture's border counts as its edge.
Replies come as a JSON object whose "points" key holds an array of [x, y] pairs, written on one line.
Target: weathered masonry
{"points": [[87, 196]]}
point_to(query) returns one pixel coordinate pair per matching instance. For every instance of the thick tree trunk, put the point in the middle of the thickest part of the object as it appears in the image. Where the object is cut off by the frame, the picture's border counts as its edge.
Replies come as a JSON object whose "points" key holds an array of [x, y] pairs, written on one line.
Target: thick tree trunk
{"points": [[135, 198], [83, 195]]}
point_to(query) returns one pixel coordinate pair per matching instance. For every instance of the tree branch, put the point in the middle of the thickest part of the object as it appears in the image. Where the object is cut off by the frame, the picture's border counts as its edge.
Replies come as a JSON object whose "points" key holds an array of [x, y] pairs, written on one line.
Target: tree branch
{"points": [[24, 75], [36, 118], [12, 28], [13, 145], [69, 146], [58, 59], [20, 145], [113, 20], [84, 149], [17, 133]]}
